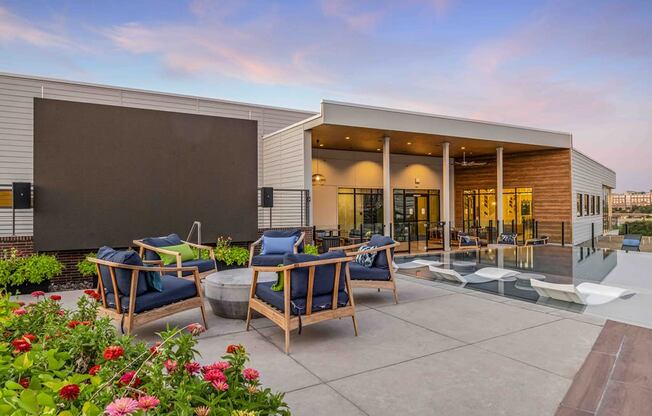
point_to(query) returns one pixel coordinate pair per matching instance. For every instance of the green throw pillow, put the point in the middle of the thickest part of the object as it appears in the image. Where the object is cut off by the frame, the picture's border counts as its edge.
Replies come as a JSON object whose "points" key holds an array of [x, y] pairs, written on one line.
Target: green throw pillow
{"points": [[184, 249]]}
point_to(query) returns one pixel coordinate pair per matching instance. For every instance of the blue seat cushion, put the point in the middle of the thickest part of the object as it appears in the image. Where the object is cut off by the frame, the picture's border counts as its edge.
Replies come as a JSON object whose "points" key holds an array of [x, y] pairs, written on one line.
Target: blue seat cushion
{"points": [[298, 306], [122, 276], [277, 245], [631, 243], [285, 233], [202, 265], [174, 290], [324, 275], [381, 258], [359, 272], [509, 238], [166, 241], [267, 260]]}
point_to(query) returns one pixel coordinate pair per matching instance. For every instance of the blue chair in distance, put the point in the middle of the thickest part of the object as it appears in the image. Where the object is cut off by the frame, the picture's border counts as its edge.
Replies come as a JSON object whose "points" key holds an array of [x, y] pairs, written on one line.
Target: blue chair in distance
{"points": [[631, 242]]}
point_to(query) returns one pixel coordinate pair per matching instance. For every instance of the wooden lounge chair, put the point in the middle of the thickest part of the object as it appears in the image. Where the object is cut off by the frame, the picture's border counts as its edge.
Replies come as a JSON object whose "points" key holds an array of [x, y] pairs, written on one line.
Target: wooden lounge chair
{"points": [[537, 241], [506, 239], [315, 289], [381, 274], [275, 258], [467, 241], [151, 247], [136, 303]]}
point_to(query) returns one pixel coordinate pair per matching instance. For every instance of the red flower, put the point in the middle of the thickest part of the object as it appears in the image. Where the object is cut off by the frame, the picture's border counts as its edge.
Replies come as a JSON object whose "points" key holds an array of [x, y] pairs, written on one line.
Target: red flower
{"points": [[93, 294], [24, 382], [214, 375], [61, 312], [30, 337], [19, 312], [69, 392], [130, 379], [55, 297], [113, 352], [21, 345], [20, 303], [170, 365], [154, 348], [148, 402], [195, 329], [94, 370], [220, 365], [220, 385], [89, 291], [37, 293], [250, 374], [192, 367], [85, 323], [232, 349], [73, 324]]}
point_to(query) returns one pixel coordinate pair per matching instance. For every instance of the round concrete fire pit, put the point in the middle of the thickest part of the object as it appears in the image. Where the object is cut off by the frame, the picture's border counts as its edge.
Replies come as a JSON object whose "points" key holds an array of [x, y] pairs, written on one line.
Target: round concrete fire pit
{"points": [[228, 291]]}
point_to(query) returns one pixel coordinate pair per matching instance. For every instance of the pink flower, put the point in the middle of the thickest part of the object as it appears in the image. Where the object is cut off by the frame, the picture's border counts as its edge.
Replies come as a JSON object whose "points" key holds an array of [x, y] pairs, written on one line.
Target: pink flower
{"points": [[61, 312], [195, 329], [130, 379], [37, 293], [19, 312], [123, 406], [170, 365], [220, 365], [148, 402], [214, 375], [250, 374], [220, 385], [192, 367]]}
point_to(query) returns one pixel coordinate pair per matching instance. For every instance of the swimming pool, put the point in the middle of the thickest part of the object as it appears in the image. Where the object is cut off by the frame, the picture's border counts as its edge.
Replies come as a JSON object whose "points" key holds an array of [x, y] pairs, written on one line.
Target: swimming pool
{"points": [[554, 264]]}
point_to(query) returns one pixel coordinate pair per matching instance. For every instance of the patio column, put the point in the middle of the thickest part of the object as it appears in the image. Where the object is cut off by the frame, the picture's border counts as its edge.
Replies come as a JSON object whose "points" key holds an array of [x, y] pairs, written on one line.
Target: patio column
{"points": [[445, 195], [499, 189], [387, 189]]}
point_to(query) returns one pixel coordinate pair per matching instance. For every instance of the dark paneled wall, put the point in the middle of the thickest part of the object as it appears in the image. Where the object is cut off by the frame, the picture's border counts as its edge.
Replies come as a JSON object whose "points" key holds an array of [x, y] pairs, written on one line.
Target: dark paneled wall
{"points": [[108, 174]]}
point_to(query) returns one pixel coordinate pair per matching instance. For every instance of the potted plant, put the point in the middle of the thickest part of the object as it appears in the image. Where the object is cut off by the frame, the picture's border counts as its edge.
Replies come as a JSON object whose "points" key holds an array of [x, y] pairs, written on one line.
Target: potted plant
{"points": [[228, 256], [88, 269], [25, 274]]}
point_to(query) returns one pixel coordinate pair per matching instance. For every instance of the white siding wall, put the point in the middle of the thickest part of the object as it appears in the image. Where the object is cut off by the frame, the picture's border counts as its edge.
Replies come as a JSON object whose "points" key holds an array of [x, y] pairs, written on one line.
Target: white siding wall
{"points": [[17, 120], [589, 177]]}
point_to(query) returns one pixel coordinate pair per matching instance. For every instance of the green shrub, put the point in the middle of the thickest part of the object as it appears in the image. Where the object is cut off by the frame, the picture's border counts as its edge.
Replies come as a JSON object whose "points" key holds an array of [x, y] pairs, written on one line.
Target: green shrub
{"points": [[36, 268], [86, 268], [310, 249], [229, 254], [637, 227]]}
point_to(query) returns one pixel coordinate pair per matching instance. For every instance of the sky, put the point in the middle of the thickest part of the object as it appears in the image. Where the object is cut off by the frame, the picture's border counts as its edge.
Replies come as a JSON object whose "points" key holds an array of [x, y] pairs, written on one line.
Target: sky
{"points": [[583, 67]]}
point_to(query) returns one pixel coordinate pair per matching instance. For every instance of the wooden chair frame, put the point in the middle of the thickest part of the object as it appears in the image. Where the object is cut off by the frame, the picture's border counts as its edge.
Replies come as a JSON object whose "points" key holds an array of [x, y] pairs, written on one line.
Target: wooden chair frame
{"points": [[374, 284], [507, 245], [474, 238], [531, 241], [211, 251], [285, 319], [132, 319], [252, 247]]}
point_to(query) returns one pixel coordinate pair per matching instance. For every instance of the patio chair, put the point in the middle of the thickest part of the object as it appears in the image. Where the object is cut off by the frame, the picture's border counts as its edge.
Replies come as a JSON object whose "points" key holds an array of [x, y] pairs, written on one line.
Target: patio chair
{"points": [[483, 275], [151, 249], [467, 241], [507, 239], [537, 241], [130, 294], [315, 289], [275, 244], [380, 274], [631, 242]]}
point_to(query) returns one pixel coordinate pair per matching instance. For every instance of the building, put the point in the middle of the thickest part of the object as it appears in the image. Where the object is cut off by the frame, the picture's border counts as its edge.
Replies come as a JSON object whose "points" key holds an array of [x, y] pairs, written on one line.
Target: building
{"points": [[632, 198], [112, 164]]}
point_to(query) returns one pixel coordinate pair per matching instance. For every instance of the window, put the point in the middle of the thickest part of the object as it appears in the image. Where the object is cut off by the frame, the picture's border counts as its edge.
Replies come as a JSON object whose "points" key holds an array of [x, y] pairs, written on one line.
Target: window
{"points": [[360, 209], [592, 204], [579, 205], [586, 204], [597, 205]]}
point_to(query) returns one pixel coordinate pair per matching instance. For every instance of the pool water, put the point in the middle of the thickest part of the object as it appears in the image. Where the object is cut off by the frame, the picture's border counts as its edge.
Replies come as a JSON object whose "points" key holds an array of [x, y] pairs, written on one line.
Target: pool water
{"points": [[564, 265]]}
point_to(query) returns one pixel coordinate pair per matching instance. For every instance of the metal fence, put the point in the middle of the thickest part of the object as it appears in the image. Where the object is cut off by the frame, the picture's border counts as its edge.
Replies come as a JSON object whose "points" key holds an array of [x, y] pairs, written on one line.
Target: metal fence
{"points": [[291, 209]]}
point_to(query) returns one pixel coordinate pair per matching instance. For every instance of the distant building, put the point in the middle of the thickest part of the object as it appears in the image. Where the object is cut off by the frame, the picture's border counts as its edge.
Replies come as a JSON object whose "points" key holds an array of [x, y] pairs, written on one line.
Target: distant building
{"points": [[631, 198]]}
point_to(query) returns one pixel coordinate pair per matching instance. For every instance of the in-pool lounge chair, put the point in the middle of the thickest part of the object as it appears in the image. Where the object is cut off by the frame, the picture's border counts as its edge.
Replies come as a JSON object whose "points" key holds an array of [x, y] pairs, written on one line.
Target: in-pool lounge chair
{"points": [[315, 289], [590, 294], [158, 248], [483, 275], [274, 245], [631, 242], [380, 273], [144, 293]]}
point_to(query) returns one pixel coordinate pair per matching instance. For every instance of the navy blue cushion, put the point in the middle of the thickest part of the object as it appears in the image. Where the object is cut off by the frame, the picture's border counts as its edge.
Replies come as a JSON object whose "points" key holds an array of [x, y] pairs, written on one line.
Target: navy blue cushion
{"points": [[267, 260], [466, 240], [166, 241], [631, 242], [122, 276], [324, 275], [277, 245], [381, 258], [359, 272], [298, 306], [285, 233], [507, 238], [174, 290], [202, 265]]}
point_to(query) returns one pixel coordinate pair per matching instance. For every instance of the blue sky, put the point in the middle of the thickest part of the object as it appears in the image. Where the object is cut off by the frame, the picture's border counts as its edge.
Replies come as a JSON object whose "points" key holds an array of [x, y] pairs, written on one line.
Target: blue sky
{"points": [[579, 66]]}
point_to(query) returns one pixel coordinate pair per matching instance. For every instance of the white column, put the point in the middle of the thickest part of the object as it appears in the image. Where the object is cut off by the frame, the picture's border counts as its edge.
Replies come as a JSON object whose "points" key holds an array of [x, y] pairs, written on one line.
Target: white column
{"points": [[499, 188], [445, 195], [387, 188]]}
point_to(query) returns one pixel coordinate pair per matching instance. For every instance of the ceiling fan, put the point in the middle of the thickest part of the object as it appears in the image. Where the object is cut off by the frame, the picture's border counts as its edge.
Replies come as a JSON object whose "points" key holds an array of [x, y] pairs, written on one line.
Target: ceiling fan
{"points": [[468, 164]]}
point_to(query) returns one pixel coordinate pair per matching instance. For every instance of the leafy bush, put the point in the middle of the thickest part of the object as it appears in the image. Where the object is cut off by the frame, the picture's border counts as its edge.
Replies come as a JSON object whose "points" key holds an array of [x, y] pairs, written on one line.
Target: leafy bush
{"points": [[86, 268], [36, 268], [310, 249], [229, 254], [55, 361], [637, 227]]}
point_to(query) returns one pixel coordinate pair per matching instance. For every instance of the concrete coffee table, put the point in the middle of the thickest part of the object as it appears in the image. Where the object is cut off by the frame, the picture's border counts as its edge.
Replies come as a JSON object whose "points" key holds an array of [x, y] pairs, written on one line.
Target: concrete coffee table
{"points": [[227, 291]]}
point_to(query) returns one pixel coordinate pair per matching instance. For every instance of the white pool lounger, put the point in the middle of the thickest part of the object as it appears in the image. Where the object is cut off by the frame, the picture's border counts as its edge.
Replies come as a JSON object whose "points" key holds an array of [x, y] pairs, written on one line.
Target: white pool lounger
{"points": [[589, 294], [418, 263], [484, 275]]}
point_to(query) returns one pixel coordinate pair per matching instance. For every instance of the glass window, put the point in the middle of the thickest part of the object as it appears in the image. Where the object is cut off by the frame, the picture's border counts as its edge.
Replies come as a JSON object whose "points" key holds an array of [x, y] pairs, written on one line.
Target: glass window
{"points": [[579, 205], [597, 205], [586, 205], [360, 208]]}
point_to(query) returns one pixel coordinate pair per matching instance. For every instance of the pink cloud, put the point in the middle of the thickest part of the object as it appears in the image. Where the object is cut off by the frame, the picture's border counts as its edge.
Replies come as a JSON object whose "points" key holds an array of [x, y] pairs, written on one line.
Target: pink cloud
{"points": [[14, 28]]}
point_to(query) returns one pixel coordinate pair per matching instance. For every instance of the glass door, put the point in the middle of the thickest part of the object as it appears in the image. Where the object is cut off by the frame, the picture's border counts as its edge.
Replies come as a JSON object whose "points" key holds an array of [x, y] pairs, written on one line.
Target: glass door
{"points": [[416, 215]]}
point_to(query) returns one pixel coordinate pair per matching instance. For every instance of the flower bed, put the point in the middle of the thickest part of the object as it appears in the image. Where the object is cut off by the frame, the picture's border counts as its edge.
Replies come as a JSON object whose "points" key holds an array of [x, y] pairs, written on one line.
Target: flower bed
{"points": [[55, 361]]}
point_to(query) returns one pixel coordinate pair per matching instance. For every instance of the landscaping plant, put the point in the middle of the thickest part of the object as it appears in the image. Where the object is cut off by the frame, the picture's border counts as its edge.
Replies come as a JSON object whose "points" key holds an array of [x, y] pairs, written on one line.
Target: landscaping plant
{"points": [[310, 249], [86, 268], [229, 254], [16, 270], [71, 362]]}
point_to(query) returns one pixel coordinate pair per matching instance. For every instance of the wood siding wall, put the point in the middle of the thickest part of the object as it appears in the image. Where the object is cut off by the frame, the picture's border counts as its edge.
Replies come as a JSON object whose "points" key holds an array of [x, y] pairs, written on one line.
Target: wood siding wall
{"points": [[547, 172]]}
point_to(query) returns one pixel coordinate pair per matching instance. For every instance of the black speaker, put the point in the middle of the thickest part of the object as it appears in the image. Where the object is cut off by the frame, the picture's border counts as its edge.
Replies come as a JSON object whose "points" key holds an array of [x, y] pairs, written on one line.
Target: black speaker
{"points": [[22, 195], [267, 197]]}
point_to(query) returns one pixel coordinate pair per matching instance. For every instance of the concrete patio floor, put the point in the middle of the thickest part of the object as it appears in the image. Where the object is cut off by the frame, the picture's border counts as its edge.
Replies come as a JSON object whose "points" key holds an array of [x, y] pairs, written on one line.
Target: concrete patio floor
{"points": [[443, 350]]}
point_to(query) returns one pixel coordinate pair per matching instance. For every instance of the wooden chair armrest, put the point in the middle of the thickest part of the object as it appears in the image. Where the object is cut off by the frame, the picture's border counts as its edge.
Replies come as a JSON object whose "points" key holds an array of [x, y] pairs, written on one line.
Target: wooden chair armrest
{"points": [[273, 268], [298, 242], [344, 248], [301, 265], [252, 247], [155, 249], [158, 262], [373, 250], [141, 268], [199, 246]]}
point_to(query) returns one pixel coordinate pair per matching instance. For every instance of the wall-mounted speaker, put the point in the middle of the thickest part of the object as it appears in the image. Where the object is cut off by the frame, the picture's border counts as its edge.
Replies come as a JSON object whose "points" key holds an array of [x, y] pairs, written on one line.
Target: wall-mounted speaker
{"points": [[22, 195], [267, 197]]}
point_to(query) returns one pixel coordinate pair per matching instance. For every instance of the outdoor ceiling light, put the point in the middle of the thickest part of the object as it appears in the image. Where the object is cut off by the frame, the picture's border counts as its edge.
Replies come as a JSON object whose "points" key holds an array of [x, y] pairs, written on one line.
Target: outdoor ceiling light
{"points": [[409, 143], [347, 138], [318, 178]]}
